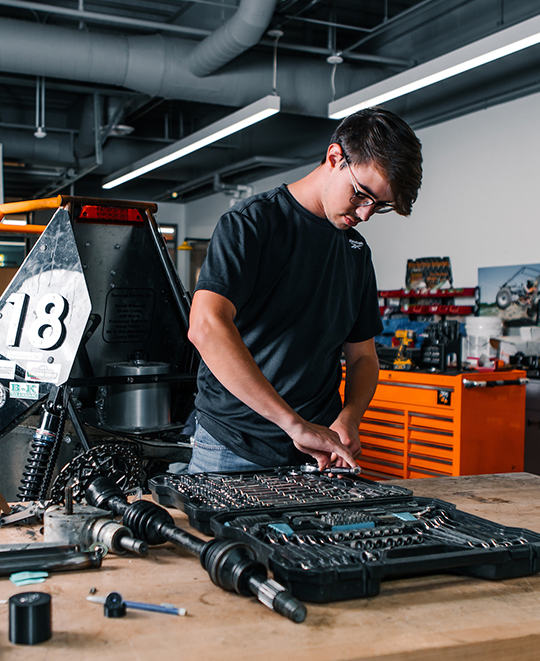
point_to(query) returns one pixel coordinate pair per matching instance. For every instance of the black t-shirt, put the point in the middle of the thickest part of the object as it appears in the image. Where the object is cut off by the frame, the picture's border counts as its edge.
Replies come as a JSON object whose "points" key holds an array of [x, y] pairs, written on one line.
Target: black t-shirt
{"points": [[301, 288]]}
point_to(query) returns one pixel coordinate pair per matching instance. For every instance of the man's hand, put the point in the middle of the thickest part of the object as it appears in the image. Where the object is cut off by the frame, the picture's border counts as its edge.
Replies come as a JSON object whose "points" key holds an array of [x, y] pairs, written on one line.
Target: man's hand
{"points": [[361, 380], [349, 437], [322, 444]]}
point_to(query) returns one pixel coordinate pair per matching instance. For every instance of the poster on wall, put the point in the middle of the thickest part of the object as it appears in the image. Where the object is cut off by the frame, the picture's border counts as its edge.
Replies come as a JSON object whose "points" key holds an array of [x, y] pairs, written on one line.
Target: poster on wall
{"points": [[428, 273], [511, 293]]}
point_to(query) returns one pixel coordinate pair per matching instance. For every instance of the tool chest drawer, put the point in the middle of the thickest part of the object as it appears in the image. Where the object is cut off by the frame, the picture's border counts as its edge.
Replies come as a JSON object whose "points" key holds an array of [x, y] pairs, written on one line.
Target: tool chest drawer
{"points": [[422, 394], [329, 539]]}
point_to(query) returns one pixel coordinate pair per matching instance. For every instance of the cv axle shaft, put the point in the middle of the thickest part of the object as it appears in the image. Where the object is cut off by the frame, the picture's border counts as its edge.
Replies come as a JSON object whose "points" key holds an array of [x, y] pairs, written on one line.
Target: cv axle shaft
{"points": [[230, 564]]}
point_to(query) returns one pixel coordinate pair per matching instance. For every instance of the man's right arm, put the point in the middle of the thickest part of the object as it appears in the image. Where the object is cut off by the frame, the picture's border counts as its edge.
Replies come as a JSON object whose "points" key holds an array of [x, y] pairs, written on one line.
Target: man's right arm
{"points": [[214, 334]]}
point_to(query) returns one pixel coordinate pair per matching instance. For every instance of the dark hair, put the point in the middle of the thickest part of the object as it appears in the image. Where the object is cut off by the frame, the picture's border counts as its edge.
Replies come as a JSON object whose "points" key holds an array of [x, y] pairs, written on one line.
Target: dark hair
{"points": [[382, 138]]}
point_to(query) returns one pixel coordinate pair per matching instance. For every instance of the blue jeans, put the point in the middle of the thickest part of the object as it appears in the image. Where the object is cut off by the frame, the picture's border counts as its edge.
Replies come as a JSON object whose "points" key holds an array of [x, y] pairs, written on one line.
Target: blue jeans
{"points": [[210, 456]]}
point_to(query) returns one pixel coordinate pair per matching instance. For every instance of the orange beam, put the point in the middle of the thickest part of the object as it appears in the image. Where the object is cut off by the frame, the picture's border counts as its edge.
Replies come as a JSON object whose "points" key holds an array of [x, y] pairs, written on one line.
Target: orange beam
{"points": [[21, 229], [30, 205], [54, 203]]}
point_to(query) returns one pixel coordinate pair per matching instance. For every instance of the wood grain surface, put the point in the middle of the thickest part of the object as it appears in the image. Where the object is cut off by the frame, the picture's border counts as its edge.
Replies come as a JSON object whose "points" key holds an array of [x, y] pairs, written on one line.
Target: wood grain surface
{"points": [[412, 619]]}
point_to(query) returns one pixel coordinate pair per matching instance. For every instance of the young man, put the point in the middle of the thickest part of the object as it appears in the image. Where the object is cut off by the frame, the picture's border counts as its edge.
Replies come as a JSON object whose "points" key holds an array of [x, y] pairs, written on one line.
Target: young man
{"points": [[288, 287]]}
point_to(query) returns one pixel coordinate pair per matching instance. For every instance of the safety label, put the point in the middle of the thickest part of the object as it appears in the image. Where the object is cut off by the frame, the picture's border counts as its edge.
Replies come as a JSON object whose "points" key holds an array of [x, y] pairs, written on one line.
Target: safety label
{"points": [[7, 369], [20, 390], [42, 372]]}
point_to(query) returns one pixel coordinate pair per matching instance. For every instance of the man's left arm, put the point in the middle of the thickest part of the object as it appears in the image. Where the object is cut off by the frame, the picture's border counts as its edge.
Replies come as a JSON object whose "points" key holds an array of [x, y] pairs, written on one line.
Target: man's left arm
{"points": [[360, 382]]}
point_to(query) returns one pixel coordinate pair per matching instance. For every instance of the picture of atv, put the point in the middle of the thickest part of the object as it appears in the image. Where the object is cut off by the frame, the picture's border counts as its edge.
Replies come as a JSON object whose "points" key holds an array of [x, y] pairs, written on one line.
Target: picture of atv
{"points": [[523, 289]]}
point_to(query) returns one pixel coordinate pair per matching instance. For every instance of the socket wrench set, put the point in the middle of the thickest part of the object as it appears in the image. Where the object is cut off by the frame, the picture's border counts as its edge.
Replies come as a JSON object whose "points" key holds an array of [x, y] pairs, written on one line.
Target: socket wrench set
{"points": [[329, 539], [203, 495]]}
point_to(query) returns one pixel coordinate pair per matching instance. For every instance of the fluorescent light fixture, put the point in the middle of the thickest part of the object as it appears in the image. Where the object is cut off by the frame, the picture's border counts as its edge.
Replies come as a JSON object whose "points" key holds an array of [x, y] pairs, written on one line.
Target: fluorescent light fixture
{"points": [[7, 221], [167, 230], [503, 43], [241, 119]]}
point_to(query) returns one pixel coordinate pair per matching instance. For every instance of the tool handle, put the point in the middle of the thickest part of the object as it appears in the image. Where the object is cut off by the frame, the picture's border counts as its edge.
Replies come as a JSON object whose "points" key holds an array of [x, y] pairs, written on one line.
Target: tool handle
{"points": [[170, 610]]}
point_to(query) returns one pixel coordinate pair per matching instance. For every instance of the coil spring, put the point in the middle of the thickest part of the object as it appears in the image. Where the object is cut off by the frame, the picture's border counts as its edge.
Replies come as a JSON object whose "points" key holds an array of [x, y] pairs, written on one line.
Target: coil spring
{"points": [[36, 465]]}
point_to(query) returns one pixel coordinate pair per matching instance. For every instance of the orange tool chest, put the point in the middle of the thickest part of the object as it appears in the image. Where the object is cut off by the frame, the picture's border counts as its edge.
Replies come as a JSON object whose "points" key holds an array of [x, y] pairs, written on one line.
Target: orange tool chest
{"points": [[432, 425]]}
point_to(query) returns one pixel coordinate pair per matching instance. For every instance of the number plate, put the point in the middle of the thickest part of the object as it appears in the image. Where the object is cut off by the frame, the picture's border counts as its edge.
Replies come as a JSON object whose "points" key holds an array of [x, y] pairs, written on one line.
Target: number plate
{"points": [[44, 310]]}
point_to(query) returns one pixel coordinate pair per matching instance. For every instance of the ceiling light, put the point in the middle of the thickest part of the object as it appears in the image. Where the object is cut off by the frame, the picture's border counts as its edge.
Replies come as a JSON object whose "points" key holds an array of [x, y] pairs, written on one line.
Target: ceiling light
{"points": [[501, 44], [336, 58], [255, 112], [7, 221], [119, 130]]}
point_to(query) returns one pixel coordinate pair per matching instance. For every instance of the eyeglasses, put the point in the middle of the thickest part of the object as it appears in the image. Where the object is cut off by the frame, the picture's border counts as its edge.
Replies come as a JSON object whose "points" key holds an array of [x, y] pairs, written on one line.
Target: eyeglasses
{"points": [[360, 199]]}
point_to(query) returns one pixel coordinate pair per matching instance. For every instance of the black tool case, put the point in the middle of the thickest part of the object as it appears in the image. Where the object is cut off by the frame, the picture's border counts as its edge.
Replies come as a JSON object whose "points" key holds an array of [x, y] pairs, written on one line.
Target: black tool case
{"points": [[343, 546], [203, 495]]}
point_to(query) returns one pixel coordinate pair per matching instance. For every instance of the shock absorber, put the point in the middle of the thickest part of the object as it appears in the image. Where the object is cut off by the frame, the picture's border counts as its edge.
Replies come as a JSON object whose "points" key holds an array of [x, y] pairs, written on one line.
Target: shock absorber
{"points": [[44, 449], [231, 565]]}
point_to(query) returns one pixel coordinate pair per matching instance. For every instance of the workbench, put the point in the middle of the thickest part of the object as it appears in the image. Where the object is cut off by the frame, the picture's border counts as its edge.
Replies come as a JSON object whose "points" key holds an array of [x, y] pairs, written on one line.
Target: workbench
{"points": [[413, 619]]}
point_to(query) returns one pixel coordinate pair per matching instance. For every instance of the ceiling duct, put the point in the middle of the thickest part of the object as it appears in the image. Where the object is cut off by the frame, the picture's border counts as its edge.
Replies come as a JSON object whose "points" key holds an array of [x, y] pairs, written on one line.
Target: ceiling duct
{"points": [[156, 65], [233, 38]]}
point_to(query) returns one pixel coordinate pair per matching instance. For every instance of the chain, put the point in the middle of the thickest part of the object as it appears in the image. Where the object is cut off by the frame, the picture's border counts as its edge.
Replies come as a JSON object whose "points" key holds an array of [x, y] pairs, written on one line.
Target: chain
{"points": [[120, 461]]}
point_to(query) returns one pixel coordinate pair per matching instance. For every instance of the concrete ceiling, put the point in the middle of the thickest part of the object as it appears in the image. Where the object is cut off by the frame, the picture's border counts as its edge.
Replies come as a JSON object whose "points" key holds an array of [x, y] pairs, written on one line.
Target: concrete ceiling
{"points": [[163, 69]]}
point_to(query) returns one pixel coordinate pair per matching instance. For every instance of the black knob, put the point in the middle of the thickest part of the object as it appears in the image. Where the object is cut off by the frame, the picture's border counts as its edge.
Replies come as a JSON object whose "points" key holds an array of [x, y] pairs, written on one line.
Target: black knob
{"points": [[114, 605]]}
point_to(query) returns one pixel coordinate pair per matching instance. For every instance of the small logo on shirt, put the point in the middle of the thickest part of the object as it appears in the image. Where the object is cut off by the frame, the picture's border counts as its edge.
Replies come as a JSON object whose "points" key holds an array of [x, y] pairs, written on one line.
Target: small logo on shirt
{"points": [[356, 245]]}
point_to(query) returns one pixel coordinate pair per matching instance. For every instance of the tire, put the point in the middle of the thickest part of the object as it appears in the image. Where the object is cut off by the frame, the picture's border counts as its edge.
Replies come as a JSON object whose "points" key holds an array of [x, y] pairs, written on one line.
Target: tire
{"points": [[504, 298]]}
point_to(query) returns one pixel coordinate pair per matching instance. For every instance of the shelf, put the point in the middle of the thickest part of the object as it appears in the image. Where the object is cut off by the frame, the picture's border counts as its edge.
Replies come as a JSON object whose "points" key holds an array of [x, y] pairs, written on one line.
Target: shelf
{"points": [[428, 293], [429, 301]]}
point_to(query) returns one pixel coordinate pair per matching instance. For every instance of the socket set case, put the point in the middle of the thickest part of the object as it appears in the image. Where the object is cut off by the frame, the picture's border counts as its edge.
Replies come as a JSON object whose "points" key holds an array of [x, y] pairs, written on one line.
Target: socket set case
{"points": [[343, 547], [203, 495]]}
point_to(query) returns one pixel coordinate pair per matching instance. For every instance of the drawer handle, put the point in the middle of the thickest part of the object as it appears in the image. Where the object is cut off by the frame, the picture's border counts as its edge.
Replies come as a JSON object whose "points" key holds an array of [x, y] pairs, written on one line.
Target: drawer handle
{"points": [[493, 384]]}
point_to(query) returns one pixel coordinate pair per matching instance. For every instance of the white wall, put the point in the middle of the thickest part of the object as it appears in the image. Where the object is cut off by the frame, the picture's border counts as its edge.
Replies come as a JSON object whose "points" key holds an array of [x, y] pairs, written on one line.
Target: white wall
{"points": [[477, 204]]}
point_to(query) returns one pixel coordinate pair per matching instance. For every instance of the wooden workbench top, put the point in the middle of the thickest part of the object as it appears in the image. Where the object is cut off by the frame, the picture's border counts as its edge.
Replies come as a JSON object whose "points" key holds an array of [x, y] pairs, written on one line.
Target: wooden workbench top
{"points": [[413, 619]]}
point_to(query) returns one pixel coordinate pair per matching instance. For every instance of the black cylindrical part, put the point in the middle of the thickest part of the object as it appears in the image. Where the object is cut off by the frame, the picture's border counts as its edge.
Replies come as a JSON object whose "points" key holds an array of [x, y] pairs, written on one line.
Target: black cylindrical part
{"points": [[114, 605], [30, 618], [47, 559]]}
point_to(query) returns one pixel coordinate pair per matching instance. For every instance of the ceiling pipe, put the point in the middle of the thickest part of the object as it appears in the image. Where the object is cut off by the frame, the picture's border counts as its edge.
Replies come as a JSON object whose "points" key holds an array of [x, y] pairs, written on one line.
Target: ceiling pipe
{"points": [[85, 143], [100, 18], [20, 144], [156, 65], [237, 35]]}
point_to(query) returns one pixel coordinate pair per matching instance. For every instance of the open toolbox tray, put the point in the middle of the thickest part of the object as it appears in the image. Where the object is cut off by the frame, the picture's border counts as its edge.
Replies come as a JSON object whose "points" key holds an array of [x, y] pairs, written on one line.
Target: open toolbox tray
{"points": [[329, 539], [345, 551], [203, 495]]}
